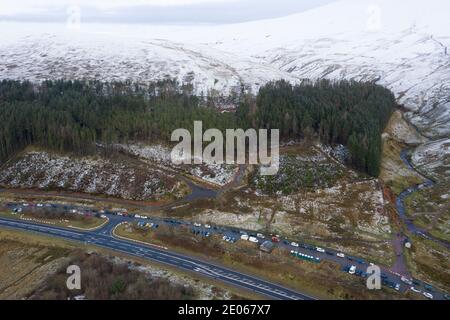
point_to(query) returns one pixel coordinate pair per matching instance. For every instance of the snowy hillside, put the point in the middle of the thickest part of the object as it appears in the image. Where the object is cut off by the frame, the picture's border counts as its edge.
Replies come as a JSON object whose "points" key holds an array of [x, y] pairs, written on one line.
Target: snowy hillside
{"points": [[402, 44], [98, 56]]}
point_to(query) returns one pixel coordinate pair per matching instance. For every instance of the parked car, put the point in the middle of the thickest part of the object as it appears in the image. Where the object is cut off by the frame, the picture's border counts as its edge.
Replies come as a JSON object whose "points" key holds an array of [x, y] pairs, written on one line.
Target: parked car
{"points": [[429, 288], [352, 270], [197, 224], [244, 237], [397, 287], [415, 290], [253, 239], [207, 226], [294, 244], [428, 295], [340, 255], [320, 250], [260, 235], [406, 280], [275, 239]]}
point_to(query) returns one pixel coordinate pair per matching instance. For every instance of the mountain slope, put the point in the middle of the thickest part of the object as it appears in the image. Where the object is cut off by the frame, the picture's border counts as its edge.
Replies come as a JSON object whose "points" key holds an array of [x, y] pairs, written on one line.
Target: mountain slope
{"points": [[402, 44]]}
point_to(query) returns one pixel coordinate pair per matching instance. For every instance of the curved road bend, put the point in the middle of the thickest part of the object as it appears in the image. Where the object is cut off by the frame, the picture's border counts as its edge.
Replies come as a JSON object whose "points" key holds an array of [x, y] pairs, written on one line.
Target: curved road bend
{"points": [[106, 240]]}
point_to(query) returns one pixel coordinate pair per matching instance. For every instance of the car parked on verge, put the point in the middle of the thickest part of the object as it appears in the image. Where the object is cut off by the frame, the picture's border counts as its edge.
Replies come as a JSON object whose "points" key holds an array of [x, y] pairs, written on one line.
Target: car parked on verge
{"points": [[428, 295], [415, 290], [352, 270], [253, 239]]}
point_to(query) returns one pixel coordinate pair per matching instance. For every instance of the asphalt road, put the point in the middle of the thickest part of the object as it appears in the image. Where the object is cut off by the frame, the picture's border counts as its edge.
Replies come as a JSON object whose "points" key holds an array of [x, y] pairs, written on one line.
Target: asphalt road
{"points": [[103, 238]]}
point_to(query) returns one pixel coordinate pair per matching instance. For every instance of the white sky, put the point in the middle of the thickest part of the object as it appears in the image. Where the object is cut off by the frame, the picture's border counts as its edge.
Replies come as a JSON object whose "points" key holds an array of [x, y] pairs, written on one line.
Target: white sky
{"points": [[153, 11], [23, 6]]}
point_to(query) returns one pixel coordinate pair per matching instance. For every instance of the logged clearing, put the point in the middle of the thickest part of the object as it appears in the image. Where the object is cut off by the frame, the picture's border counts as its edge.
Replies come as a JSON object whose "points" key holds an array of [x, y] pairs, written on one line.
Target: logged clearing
{"points": [[120, 176]]}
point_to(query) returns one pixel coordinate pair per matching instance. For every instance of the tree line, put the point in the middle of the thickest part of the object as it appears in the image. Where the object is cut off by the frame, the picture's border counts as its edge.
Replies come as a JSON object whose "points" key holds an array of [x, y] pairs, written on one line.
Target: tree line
{"points": [[75, 115], [344, 112]]}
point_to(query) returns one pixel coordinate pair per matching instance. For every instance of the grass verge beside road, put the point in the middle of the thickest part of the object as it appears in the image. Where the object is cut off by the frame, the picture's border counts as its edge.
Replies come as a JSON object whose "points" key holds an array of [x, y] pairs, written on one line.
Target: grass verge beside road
{"points": [[91, 223]]}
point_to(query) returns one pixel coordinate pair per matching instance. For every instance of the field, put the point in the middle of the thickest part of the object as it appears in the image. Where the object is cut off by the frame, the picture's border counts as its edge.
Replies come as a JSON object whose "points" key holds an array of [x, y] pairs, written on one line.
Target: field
{"points": [[31, 265], [346, 212], [430, 209], [429, 261]]}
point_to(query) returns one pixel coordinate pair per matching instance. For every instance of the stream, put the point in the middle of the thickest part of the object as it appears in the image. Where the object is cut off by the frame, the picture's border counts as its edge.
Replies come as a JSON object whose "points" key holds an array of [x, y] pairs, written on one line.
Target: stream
{"points": [[400, 204]]}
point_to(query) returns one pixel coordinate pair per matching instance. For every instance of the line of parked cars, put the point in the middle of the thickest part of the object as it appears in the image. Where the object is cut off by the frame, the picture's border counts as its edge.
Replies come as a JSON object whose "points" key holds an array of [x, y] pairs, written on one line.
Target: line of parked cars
{"points": [[306, 257]]}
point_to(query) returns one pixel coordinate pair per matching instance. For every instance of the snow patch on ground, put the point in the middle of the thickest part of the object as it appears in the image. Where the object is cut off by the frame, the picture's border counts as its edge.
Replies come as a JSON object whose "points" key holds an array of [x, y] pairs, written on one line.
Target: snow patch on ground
{"points": [[433, 158], [91, 175], [220, 174]]}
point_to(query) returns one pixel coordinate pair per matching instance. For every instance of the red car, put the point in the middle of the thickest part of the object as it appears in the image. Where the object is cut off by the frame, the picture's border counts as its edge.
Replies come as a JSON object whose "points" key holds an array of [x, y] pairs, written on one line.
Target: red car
{"points": [[275, 239]]}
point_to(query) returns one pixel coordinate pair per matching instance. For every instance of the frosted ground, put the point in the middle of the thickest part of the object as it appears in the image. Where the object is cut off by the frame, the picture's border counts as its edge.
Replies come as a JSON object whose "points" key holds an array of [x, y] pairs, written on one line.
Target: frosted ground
{"points": [[433, 159], [125, 180], [218, 174]]}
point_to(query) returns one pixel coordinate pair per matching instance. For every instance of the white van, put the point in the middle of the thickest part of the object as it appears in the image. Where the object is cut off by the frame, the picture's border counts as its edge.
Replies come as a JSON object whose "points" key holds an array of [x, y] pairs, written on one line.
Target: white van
{"points": [[352, 270], [253, 239]]}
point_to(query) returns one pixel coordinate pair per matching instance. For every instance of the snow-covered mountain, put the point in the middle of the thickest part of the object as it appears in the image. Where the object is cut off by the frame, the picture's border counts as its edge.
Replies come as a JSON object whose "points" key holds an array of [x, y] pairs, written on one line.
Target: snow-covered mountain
{"points": [[402, 44]]}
